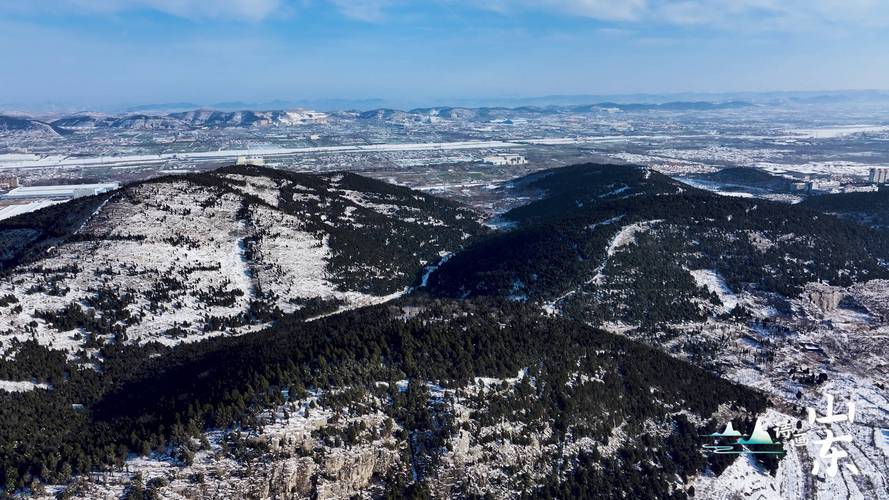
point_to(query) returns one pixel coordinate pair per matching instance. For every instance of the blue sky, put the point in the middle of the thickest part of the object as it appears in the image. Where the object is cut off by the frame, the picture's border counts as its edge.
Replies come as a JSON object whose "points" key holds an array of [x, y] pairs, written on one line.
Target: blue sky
{"points": [[93, 53]]}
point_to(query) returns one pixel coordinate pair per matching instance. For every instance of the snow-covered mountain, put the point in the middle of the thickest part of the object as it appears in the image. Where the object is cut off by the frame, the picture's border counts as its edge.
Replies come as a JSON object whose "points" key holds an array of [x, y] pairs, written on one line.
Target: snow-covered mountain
{"points": [[216, 118], [20, 125], [84, 121], [777, 297], [199, 118], [221, 119], [179, 335], [185, 258]]}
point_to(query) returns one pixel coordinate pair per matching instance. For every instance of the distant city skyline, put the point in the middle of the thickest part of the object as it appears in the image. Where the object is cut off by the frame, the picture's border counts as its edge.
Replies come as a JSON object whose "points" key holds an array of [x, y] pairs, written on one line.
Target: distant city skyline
{"points": [[100, 54]]}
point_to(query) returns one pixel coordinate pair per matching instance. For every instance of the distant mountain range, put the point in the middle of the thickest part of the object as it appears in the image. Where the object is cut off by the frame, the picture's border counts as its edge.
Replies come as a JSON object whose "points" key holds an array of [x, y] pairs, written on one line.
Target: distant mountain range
{"points": [[185, 115], [777, 97], [213, 118], [332, 105]]}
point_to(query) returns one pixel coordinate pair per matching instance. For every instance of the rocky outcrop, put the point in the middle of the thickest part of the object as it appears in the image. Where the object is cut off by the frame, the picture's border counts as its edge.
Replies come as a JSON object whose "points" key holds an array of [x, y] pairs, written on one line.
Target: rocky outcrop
{"points": [[289, 479], [824, 297], [347, 473]]}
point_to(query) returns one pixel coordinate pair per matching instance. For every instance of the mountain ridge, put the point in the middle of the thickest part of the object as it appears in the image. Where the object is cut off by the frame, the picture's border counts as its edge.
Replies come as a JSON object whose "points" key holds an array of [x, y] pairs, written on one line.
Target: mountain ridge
{"points": [[591, 218], [539, 348], [179, 258], [145, 119]]}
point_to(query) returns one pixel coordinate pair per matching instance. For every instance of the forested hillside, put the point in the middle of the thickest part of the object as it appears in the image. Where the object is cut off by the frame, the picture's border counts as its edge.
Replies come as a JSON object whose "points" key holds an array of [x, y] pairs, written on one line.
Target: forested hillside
{"points": [[491, 380], [622, 243], [576, 387], [867, 208], [747, 177]]}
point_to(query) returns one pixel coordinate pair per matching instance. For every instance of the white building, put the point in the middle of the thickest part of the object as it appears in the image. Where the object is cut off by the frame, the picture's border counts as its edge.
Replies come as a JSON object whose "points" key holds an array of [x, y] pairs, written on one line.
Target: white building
{"points": [[869, 188], [505, 159], [879, 175], [61, 192], [256, 161], [823, 186]]}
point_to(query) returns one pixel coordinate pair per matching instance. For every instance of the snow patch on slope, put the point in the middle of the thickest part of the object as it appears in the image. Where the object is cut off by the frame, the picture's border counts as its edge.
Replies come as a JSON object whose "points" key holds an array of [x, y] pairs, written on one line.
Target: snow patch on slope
{"points": [[625, 236], [21, 386], [262, 187], [713, 282]]}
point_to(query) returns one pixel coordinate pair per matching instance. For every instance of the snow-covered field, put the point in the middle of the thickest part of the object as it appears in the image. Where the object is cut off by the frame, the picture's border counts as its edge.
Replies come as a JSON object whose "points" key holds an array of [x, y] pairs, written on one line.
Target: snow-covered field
{"points": [[717, 188], [40, 161], [23, 208], [827, 168], [835, 132]]}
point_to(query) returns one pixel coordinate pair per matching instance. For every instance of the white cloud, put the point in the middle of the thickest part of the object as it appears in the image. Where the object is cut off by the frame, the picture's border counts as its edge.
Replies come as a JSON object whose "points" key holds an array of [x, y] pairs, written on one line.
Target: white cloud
{"points": [[785, 15], [244, 10], [247, 10], [606, 10], [363, 10], [746, 15]]}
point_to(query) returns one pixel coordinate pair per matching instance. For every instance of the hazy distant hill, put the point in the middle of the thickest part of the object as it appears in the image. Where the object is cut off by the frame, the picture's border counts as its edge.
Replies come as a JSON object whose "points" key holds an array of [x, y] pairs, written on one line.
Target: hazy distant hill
{"points": [[486, 113], [153, 118], [223, 119], [22, 125], [746, 178], [84, 121]]}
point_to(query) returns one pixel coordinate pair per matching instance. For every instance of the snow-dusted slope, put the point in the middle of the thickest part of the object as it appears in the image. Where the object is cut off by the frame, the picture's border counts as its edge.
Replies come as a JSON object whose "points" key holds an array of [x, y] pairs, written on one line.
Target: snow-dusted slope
{"points": [[22, 126], [180, 259]]}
